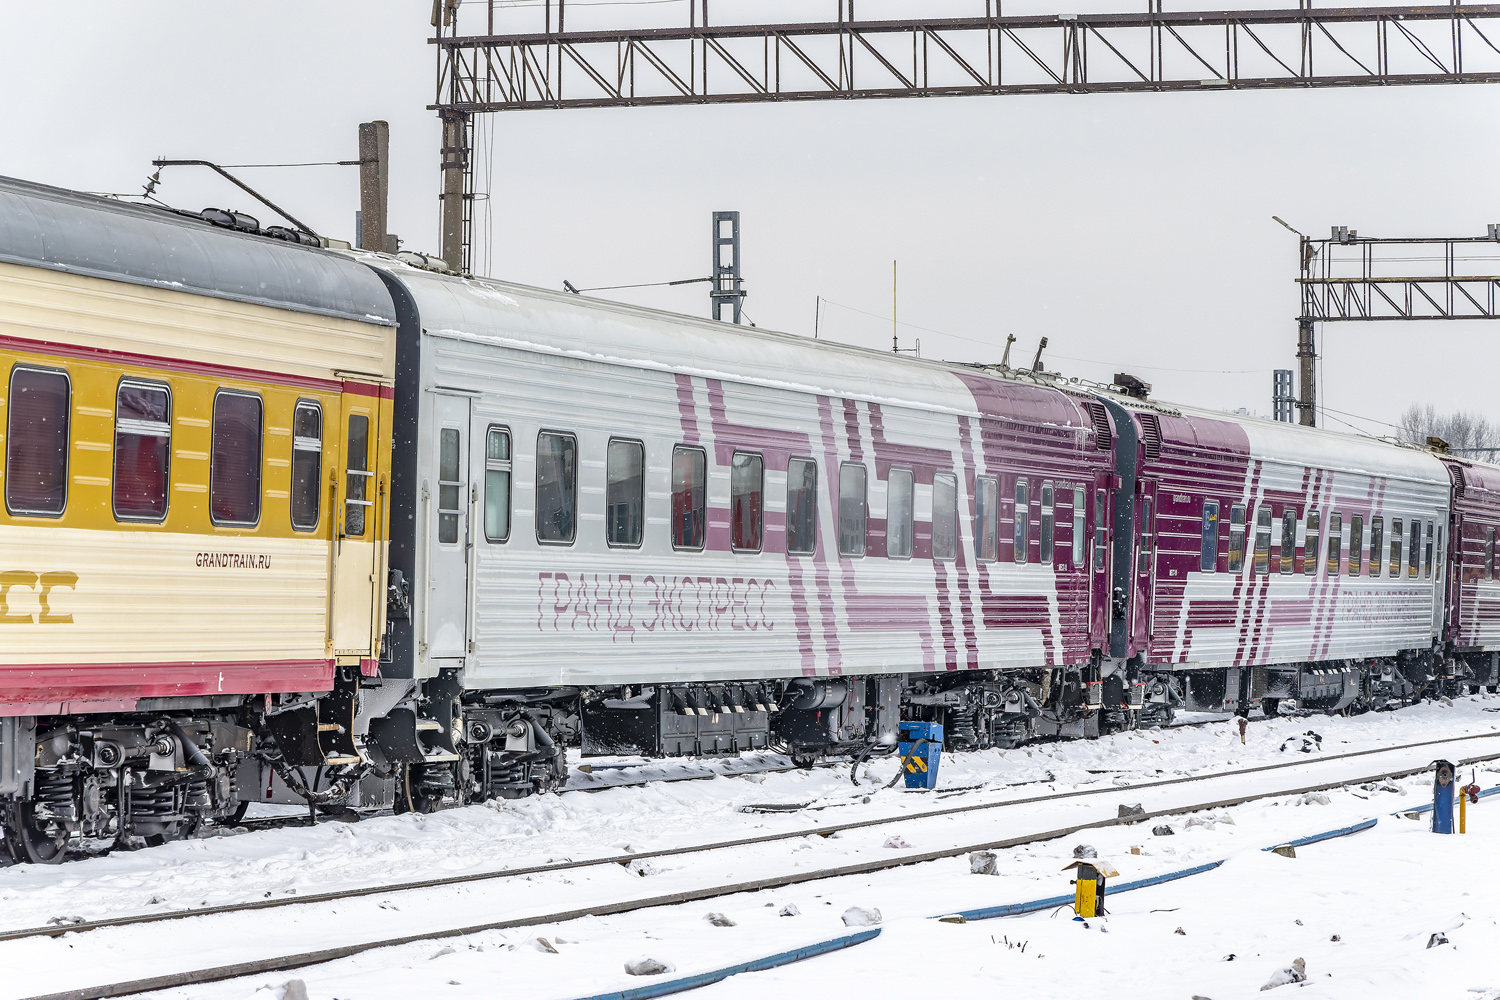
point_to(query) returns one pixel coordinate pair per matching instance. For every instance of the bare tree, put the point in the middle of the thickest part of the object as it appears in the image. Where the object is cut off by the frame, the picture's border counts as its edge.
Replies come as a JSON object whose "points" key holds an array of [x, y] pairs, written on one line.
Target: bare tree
{"points": [[1470, 435]]}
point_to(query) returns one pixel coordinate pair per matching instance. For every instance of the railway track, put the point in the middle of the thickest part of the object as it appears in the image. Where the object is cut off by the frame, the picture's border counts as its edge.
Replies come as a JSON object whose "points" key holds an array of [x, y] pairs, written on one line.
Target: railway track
{"points": [[705, 853]]}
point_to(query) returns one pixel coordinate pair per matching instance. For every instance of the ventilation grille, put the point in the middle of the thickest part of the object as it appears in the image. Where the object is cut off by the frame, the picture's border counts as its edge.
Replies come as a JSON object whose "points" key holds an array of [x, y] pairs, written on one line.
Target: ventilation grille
{"points": [[1459, 482], [1105, 439], [1151, 433]]}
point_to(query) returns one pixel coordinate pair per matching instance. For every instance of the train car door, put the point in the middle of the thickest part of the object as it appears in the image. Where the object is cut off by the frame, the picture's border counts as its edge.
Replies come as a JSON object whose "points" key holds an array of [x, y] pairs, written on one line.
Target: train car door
{"points": [[357, 540], [1145, 567], [1099, 562], [449, 532]]}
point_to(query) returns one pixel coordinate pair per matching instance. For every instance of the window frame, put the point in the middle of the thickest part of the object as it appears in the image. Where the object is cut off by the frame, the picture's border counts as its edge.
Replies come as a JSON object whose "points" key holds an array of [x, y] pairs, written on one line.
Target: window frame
{"points": [[1260, 561], [458, 482], [10, 409], [1427, 551], [672, 495], [1414, 550], [364, 476], [536, 470], [864, 500], [1335, 535], [1021, 526], [1312, 544], [114, 454], [213, 448], [613, 440], [1377, 543], [317, 479], [986, 510], [1489, 555], [787, 514], [760, 519], [510, 483], [1238, 530], [1398, 545], [1356, 565], [1048, 535], [1208, 553], [911, 511], [1078, 544], [958, 541], [1290, 521]]}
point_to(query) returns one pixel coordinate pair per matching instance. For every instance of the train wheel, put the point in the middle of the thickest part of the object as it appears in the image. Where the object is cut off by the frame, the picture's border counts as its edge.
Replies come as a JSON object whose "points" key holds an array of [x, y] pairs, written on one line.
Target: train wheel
{"points": [[409, 797], [238, 815], [28, 842], [1270, 707]]}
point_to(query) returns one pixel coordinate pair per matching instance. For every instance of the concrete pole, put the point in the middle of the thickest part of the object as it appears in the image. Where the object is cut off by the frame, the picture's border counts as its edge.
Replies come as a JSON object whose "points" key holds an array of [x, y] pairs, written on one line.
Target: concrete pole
{"points": [[1307, 359], [374, 185], [455, 172]]}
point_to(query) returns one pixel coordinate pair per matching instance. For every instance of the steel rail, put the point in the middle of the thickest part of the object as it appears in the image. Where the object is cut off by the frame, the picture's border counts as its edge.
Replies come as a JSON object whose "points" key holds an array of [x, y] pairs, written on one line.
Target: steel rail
{"points": [[58, 930], [322, 956]]}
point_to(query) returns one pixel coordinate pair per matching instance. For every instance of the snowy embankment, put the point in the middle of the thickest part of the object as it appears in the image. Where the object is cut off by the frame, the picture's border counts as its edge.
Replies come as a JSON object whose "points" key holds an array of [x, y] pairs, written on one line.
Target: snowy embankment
{"points": [[1237, 909]]}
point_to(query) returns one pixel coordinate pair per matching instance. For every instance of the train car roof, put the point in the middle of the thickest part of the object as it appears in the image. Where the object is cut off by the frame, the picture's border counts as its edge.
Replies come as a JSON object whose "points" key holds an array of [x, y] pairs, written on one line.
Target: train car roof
{"points": [[535, 319], [1314, 447], [49, 227]]}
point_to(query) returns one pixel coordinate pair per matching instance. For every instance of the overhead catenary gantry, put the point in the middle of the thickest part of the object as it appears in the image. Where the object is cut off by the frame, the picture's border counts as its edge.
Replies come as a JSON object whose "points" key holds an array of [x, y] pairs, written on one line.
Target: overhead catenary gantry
{"points": [[1348, 277], [564, 62]]}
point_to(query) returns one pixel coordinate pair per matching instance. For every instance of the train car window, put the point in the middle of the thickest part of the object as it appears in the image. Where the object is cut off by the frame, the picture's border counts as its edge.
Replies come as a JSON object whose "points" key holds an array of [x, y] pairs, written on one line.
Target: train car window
{"points": [[986, 519], [624, 493], [802, 506], [1414, 549], [556, 488], [1310, 544], [1262, 539], [36, 442], [1427, 552], [944, 516], [1335, 542], [899, 503], [1377, 543], [234, 470], [1489, 555], [450, 484], [1045, 557], [497, 484], [1397, 537], [1356, 544], [689, 497], [1080, 519], [1208, 548], [143, 446], [1236, 538], [357, 472], [746, 504], [1288, 538], [1147, 530], [1101, 537], [853, 509], [307, 464], [1023, 522]]}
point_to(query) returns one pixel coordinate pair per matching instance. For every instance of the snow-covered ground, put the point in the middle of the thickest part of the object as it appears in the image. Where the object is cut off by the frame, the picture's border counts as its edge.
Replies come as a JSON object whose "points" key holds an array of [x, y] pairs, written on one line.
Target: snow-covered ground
{"points": [[1383, 892]]}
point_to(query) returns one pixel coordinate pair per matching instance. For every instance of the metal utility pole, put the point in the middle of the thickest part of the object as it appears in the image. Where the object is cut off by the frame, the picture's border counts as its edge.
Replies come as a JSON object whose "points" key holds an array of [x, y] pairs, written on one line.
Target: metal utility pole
{"points": [[1347, 278], [481, 68], [726, 289], [374, 187]]}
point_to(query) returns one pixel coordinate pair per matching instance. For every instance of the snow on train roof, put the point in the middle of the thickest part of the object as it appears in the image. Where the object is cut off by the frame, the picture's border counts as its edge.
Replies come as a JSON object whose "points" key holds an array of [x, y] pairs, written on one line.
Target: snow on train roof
{"points": [[558, 322], [1315, 447], [49, 227]]}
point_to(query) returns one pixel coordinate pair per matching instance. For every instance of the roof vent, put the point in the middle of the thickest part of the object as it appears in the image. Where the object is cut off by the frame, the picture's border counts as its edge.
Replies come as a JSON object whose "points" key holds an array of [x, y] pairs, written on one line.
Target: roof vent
{"points": [[1132, 386], [1104, 437], [1151, 433]]}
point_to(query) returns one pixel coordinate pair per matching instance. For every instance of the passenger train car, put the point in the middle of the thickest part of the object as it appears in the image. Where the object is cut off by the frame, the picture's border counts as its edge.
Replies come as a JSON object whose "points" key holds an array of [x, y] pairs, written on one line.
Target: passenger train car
{"points": [[296, 524]]}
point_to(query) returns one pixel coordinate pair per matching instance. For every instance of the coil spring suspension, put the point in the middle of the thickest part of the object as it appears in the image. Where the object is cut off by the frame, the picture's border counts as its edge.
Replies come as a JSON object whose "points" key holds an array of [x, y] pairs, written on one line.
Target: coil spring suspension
{"points": [[960, 732], [154, 805], [56, 797]]}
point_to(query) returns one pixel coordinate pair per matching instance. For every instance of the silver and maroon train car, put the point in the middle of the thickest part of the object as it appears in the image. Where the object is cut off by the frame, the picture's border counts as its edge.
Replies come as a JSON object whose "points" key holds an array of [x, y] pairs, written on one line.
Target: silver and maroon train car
{"points": [[292, 524]]}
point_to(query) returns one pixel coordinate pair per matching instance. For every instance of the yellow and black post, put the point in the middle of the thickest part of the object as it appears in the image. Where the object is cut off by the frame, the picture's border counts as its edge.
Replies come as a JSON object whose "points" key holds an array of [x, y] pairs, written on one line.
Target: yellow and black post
{"points": [[1088, 887]]}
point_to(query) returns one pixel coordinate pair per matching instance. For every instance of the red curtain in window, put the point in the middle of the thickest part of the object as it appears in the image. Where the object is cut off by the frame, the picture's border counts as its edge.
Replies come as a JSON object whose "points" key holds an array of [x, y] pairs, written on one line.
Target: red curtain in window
{"points": [[142, 445], [234, 485], [36, 443]]}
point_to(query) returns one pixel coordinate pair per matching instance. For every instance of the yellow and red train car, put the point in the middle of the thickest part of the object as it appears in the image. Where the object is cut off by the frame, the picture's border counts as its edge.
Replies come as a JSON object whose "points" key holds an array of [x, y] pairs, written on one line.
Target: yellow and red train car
{"points": [[196, 442]]}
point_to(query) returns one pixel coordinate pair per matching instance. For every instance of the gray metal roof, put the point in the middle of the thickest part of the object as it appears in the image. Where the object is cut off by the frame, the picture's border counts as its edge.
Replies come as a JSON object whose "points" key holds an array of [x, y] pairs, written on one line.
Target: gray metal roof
{"points": [[83, 234]]}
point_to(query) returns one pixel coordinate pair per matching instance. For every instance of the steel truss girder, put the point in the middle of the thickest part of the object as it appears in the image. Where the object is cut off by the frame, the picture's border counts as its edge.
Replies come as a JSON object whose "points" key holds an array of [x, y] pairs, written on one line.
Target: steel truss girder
{"points": [[1075, 54], [1329, 294]]}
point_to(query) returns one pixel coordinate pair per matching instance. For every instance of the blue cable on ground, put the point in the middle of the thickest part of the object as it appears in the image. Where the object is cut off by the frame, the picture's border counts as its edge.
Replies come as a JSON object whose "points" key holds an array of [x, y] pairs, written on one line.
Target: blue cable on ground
{"points": [[661, 989], [1416, 810], [1013, 909], [1342, 831]]}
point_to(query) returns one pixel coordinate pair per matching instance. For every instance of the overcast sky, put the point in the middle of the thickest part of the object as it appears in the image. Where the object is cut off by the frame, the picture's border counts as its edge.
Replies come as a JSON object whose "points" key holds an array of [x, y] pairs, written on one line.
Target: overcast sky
{"points": [[1133, 231]]}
